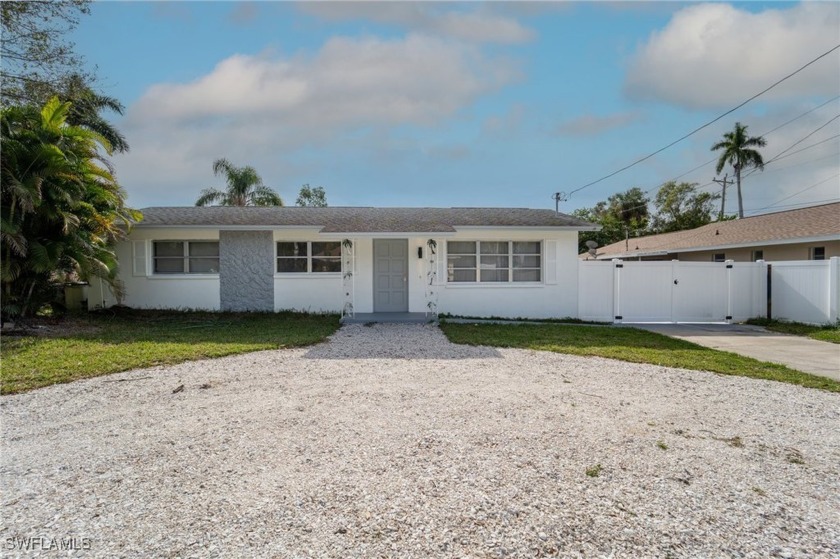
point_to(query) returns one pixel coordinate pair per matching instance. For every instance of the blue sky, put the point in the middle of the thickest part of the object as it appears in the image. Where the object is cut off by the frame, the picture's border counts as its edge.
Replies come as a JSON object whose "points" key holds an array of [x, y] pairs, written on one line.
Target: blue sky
{"points": [[463, 104]]}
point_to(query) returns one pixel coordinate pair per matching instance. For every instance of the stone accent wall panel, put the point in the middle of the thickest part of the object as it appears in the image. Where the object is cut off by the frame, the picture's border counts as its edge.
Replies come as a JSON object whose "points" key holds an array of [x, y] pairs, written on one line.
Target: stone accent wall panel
{"points": [[246, 270]]}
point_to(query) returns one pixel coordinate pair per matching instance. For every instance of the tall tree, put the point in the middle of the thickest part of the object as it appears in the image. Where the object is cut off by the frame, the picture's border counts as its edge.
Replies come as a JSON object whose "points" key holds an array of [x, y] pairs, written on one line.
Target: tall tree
{"points": [[35, 51], [312, 197], [679, 206], [738, 151], [244, 188], [61, 209], [623, 214]]}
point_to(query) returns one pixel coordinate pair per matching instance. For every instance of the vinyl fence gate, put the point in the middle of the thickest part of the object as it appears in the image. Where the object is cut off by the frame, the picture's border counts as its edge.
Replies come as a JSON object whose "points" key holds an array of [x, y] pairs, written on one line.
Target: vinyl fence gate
{"points": [[671, 291]]}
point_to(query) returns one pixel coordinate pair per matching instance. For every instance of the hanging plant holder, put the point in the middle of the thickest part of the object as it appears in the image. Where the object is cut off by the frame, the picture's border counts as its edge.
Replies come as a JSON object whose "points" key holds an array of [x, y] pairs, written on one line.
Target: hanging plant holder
{"points": [[348, 264]]}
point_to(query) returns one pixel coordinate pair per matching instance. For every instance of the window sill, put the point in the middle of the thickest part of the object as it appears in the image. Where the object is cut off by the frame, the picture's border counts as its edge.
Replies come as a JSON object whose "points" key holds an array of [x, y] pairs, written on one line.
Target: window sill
{"points": [[491, 285], [182, 276], [307, 275]]}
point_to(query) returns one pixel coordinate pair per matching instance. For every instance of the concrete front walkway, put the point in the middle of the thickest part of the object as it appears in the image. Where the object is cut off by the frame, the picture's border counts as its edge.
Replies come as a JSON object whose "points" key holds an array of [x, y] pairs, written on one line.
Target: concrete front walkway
{"points": [[797, 352]]}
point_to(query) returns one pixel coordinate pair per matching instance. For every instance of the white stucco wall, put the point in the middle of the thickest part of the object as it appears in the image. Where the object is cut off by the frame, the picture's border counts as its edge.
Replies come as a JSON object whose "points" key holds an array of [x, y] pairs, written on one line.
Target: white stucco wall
{"points": [[144, 290], [554, 296]]}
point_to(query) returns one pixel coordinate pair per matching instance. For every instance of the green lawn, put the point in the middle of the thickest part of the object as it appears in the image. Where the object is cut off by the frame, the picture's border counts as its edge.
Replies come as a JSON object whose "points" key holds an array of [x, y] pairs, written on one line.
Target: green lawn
{"points": [[827, 333], [102, 343], [628, 344]]}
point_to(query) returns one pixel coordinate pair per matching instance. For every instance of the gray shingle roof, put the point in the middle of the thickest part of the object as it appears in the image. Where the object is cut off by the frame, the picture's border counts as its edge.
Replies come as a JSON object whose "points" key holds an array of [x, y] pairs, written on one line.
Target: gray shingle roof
{"points": [[358, 220]]}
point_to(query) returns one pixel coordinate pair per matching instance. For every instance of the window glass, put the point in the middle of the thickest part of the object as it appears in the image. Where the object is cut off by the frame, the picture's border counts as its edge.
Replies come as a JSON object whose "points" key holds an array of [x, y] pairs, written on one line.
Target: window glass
{"points": [[456, 261], [323, 265], [186, 257], [326, 249], [461, 247], [291, 249], [818, 253], [494, 248], [526, 247], [494, 275], [169, 265], [720, 257], [494, 262], [757, 255], [169, 248], [291, 265], [204, 266], [460, 275], [526, 275], [529, 261], [309, 257], [204, 249]]}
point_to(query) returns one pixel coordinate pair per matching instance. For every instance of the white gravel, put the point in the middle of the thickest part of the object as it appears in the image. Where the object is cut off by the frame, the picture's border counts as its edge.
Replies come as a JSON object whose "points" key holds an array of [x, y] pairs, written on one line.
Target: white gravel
{"points": [[388, 441]]}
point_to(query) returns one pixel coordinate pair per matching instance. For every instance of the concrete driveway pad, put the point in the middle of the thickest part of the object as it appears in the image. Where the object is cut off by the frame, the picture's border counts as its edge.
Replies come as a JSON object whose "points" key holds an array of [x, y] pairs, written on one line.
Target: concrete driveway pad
{"points": [[797, 352]]}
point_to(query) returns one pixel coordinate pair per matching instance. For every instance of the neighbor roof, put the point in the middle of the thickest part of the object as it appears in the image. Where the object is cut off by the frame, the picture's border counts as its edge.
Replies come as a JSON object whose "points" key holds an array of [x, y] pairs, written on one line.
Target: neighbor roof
{"points": [[359, 220], [815, 222]]}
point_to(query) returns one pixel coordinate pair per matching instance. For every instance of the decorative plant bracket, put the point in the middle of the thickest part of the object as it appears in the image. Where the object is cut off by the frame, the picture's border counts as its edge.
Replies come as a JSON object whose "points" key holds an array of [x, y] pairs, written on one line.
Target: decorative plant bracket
{"points": [[348, 264], [431, 278]]}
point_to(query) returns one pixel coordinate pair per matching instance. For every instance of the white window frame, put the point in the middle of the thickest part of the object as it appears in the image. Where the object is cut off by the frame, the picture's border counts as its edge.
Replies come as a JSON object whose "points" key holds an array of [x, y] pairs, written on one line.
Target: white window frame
{"points": [[185, 258], [510, 268], [308, 258]]}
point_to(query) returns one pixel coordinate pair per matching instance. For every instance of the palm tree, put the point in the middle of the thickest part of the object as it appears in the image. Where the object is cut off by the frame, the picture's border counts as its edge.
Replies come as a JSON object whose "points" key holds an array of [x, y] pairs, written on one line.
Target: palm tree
{"points": [[61, 209], [738, 151], [244, 188]]}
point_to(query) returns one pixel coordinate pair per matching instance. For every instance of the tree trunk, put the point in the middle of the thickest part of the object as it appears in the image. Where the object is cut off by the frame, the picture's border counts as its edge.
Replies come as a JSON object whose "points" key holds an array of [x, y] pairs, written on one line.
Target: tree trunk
{"points": [[740, 199]]}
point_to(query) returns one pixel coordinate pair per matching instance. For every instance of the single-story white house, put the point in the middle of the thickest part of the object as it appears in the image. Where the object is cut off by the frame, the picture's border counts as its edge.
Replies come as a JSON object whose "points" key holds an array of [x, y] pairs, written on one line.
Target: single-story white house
{"points": [[507, 262]]}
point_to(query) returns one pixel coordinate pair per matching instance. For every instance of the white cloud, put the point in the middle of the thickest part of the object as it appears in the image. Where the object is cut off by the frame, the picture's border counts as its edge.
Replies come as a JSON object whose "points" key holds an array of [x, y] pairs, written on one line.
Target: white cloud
{"points": [[476, 25], [261, 110], [592, 125], [714, 55], [417, 79]]}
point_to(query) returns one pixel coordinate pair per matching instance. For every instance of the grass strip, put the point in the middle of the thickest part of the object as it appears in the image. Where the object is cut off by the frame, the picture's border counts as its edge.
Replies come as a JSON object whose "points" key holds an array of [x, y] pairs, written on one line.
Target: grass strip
{"points": [[628, 344], [103, 343], [824, 333]]}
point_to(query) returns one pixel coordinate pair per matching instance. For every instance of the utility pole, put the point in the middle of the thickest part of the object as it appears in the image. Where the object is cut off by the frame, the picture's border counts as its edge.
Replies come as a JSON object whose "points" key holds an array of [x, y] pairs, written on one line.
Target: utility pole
{"points": [[724, 182], [559, 197]]}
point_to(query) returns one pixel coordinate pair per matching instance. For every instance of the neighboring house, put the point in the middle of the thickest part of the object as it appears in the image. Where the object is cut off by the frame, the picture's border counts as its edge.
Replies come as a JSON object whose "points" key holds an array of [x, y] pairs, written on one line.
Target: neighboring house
{"points": [[811, 233], [467, 261]]}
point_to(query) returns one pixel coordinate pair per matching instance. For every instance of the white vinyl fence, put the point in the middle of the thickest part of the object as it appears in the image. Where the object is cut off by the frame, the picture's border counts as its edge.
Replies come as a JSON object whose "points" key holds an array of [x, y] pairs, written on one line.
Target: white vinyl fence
{"points": [[805, 291], [672, 291]]}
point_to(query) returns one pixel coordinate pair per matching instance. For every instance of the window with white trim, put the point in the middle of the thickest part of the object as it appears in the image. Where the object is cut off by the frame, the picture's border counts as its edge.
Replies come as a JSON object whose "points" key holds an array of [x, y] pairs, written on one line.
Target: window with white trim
{"points": [[817, 253], [185, 257], [493, 261], [304, 257]]}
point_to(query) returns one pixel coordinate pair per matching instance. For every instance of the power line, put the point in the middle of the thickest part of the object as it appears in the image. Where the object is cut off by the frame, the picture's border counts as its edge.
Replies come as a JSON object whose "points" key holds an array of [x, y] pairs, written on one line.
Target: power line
{"points": [[800, 116], [730, 111], [798, 204], [794, 144], [798, 193], [832, 155], [810, 146], [658, 186]]}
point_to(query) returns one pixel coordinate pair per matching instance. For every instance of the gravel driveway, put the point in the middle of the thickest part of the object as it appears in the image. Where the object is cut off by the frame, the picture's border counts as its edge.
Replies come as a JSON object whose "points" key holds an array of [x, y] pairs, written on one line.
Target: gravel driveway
{"points": [[390, 441]]}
